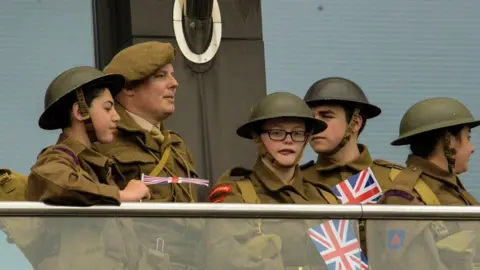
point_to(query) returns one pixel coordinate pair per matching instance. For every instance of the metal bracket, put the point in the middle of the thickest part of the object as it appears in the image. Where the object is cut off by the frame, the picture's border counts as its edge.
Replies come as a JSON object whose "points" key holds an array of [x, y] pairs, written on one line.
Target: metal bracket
{"points": [[182, 42]]}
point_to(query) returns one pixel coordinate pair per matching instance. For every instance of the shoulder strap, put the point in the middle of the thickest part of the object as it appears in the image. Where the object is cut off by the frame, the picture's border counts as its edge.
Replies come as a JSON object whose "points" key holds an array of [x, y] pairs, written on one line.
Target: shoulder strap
{"points": [[426, 193], [68, 152], [388, 164], [420, 187], [248, 191], [161, 163], [393, 173]]}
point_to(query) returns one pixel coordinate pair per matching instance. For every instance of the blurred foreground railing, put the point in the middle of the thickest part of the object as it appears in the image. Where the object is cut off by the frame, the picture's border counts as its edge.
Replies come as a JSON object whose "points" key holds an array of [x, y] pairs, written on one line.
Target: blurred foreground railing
{"points": [[208, 210]]}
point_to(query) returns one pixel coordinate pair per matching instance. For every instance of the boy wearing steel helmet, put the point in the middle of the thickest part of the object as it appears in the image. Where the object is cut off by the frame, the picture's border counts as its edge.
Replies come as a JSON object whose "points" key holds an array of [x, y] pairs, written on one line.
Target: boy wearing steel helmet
{"points": [[79, 101], [343, 105]]}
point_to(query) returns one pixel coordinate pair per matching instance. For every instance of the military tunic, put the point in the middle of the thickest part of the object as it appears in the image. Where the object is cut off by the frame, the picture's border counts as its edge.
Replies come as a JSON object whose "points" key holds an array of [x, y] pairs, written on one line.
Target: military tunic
{"points": [[447, 187], [425, 244], [70, 173], [331, 174], [137, 152], [269, 243]]}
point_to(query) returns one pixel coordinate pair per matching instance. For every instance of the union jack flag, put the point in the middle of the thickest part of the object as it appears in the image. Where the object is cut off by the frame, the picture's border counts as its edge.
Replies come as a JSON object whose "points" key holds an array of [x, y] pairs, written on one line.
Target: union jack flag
{"points": [[336, 242], [154, 180], [361, 188]]}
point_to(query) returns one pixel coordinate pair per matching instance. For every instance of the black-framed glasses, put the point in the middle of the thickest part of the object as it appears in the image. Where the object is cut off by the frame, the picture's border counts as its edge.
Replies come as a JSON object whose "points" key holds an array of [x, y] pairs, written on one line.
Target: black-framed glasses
{"points": [[280, 135]]}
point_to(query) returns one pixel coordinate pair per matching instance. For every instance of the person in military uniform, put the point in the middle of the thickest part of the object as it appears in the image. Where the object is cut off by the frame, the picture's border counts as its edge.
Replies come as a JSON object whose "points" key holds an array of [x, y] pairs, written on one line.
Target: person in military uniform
{"points": [[79, 101], [343, 105], [144, 145], [280, 125], [438, 133]]}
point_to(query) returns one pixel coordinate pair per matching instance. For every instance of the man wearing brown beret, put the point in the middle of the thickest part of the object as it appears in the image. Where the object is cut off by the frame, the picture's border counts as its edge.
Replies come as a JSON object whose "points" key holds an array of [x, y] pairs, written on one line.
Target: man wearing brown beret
{"points": [[144, 146]]}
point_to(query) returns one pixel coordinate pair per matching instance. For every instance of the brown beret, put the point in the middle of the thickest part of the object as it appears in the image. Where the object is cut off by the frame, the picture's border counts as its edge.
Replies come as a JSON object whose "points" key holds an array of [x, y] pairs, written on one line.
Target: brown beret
{"points": [[141, 60]]}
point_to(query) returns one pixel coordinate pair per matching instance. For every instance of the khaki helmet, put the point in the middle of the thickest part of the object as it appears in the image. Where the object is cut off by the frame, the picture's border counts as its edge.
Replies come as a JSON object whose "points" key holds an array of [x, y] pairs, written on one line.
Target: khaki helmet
{"points": [[336, 89], [280, 105], [82, 77], [433, 114]]}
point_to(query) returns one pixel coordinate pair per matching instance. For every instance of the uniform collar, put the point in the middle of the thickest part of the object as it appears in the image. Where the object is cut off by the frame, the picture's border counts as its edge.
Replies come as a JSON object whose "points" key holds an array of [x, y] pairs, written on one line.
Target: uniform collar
{"points": [[132, 122], [432, 170], [272, 182], [363, 161], [142, 122], [129, 125], [82, 151]]}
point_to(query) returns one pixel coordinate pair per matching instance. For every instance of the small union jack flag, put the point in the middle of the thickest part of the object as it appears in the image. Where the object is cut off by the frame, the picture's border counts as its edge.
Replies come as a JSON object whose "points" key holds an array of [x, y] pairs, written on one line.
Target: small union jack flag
{"points": [[336, 242], [361, 188], [155, 180]]}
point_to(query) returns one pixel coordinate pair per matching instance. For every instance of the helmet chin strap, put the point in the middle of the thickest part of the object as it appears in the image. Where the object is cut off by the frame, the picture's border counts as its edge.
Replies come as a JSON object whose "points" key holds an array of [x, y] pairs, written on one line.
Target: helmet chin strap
{"points": [[86, 118], [347, 135], [449, 152], [264, 154]]}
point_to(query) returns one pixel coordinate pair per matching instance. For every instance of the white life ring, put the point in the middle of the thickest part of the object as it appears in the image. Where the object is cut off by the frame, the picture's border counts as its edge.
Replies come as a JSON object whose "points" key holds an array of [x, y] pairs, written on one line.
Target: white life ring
{"points": [[182, 42]]}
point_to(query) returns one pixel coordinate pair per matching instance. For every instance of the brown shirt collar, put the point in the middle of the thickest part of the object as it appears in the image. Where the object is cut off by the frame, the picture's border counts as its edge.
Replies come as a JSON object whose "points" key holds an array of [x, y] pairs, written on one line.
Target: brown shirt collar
{"points": [[262, 174], [432, 170], [126, 121], [128, 124], [363, 161], [142, 122]]}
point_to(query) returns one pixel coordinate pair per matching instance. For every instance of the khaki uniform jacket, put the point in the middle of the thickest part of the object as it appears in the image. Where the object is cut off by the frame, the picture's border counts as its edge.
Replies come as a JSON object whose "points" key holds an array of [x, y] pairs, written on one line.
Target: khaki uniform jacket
{"points": [[446, 186], [425, 244], [135, 151], [331, 174], [269, 243], [70, 173]]}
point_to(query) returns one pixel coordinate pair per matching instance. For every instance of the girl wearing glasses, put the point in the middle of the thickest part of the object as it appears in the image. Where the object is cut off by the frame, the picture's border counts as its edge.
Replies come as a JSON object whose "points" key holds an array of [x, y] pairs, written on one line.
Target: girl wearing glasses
{"points": [[280, 125]]}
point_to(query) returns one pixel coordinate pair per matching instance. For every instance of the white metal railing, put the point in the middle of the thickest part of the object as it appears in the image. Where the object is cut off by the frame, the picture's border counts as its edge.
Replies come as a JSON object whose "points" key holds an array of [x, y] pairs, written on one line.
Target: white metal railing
{"points": [[211, 210]]}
